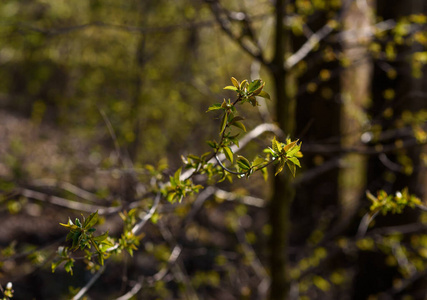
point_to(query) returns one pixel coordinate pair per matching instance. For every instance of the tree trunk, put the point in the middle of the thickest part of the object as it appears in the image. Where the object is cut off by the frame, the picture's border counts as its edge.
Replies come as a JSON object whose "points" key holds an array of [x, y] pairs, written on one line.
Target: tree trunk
{"points": [[282, 190], [355, 94]]}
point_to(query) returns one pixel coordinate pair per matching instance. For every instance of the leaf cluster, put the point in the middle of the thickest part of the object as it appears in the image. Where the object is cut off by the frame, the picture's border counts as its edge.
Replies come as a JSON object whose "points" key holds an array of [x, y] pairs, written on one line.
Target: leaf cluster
{"points": [[392, 203]]}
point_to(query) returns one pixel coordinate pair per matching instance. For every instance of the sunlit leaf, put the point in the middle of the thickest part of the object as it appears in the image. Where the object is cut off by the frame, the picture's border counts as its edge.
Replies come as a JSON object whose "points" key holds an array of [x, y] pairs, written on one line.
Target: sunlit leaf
{"points": [[215, 106], [228, 153], [235, 82], [231, 88], [279, 167], [291, 167], [264, 94]]}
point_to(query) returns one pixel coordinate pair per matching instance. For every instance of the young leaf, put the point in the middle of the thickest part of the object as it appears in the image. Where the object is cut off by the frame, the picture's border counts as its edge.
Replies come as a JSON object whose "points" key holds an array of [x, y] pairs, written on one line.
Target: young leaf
{"points": [[235, 82], [215, 106], [177, 175], [243, 84], [277, 147], [100, 238], [295, 161], [291, 167], [91, 221], [259, 89], [228, 153], [223, 124], [243, 162], [239, 125], [236, 119], [290, 146], [254, 85], [231, 88], [280, 167], [264, 95], [294, 150]]}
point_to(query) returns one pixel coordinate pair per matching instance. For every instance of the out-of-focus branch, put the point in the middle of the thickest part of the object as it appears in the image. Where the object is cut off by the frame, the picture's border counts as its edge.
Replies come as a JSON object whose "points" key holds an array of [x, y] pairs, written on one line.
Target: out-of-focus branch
{"points": [[308, 46], [69, 187], [102, 210], [224, 20], [84, 290], [247, 200]]}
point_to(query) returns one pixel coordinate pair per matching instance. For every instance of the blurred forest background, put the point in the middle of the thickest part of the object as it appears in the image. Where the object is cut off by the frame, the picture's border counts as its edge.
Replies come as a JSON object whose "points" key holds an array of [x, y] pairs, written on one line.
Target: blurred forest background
{"points": [[91, 92]]}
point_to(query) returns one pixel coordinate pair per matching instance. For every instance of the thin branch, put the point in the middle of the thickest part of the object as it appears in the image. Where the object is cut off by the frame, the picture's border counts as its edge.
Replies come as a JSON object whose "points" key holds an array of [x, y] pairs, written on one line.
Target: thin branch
{"points": [[255, 263], [364, 224], [84, 290], [69, 187], [148, 216], [308, 46], [247, 200], [176, 252], [102, 210], [223, 20]]}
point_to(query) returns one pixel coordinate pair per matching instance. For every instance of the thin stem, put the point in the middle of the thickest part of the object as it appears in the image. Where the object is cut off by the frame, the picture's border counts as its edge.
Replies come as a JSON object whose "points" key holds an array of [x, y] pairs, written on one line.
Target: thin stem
{"points": [[227, 169]]}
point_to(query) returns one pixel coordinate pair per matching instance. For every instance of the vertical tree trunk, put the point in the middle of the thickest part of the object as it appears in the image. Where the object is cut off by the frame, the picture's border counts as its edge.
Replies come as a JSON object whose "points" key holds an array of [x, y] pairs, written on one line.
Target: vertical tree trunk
{"points": [[282, 190], [355, 94]]}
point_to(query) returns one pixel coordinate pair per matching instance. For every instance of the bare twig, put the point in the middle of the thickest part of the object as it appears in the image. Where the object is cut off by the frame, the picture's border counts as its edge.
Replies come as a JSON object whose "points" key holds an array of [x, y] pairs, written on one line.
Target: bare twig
{"points": [[308, 46], [364, 224], [223, 19], [69, 187], [247, 200], [102, 210], [84, 290]]}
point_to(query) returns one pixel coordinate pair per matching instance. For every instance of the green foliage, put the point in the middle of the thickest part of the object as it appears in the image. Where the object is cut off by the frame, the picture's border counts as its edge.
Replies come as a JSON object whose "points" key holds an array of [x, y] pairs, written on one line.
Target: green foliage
{"points": [[81, 232], [392, 203], [81, 235]]}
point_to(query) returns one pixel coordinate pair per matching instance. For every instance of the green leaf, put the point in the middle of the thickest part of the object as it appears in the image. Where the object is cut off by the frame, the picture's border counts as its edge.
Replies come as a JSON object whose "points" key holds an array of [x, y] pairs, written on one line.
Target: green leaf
{"points": [[177, 175], [69, 266], [100, 238], [264, 95], [291, 167], [215, 106], [55, 265], [258, 161], [239, 125], [231, 88], [280, 167], [264, 172], [235, 82], [243, 84], [236, 119], [277, 146], [228, 153], [254, 85], [69, 225], [234, 140], [243, 162], [212, 144], [91, 221], [290, 146], [294, 150], [259, 89], [223, 123], [295, 161]]}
